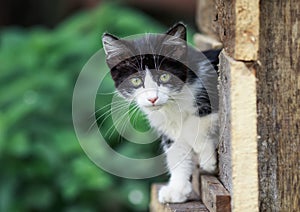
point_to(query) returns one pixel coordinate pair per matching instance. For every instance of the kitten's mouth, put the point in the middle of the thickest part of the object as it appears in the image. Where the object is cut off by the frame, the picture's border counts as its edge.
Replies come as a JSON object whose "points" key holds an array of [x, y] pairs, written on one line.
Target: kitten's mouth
{"points": [[154, 107]]}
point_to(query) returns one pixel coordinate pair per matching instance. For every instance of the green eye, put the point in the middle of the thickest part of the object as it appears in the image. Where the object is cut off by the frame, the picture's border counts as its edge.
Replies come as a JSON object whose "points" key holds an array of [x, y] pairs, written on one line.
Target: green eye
{"points": [[164, 77], [136, 81]]}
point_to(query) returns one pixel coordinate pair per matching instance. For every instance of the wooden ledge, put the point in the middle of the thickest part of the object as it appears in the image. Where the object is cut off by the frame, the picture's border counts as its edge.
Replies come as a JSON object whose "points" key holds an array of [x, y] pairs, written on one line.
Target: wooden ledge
{"points": [[194, 204], [215, 198], [214, 195]]}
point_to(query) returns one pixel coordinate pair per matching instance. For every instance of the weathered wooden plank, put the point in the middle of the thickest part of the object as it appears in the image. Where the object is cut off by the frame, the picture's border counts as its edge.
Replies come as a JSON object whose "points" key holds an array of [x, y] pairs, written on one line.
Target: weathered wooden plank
{"points": [[206, 18], [238, 28], [241, 131], [278, 91], [193, 204], [196, 181], [275, 27], [224, 147], [215, 197], [204, 42]]}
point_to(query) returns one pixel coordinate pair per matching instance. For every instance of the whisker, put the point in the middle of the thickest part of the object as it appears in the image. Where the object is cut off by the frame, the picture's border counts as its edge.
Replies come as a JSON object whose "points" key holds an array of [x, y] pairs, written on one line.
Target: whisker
{"points": [[109, 93], [119, 108], [105, 106], [136, 117], [137, 111], [161, 62], [111, 104], [117, 123], [123, 128]]}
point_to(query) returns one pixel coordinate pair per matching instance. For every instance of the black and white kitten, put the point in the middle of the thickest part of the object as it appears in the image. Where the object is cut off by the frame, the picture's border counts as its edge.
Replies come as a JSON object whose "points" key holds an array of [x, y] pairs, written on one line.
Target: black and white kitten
{"points": [[176, 87]]}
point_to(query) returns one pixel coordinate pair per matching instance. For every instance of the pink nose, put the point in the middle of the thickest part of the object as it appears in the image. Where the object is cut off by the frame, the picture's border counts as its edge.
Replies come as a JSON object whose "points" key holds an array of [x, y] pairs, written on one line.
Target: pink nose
{"points": [[153, 100]]}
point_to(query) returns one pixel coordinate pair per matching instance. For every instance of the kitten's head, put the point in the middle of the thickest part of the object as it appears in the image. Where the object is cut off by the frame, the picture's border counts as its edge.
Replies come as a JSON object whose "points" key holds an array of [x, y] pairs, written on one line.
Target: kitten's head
{"points": [[148, 70]]}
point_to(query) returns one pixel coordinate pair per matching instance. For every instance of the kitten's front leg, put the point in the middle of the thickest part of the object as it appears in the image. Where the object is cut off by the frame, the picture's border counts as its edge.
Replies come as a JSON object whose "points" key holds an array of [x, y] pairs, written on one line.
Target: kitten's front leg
{"points": [[180, 164], [208, 158]]}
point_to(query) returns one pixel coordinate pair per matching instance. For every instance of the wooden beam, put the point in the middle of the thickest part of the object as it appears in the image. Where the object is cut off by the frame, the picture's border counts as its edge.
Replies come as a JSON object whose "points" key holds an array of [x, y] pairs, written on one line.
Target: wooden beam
{"points": [[278, 92], [238, 28], [215, 197], [241, 132], [224, 147], [265, 33], [206, 18], [193, 204]]}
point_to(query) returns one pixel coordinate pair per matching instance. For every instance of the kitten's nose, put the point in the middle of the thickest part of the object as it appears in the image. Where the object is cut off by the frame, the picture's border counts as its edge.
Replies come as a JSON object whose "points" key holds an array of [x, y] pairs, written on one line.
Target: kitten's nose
{"points": [[153, 100]]}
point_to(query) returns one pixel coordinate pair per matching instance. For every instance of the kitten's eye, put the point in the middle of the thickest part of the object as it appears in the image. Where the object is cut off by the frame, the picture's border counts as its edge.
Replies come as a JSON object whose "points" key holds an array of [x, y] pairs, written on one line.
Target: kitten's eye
{"points": [[136, 82], [164, 78]]}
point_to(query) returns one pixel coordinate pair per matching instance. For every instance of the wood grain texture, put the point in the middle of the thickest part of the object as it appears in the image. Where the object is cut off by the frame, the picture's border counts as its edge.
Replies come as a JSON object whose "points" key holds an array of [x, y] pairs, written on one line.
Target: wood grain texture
{"points": [[279, 106], [242, 133], [224, 147], [238, 28], [226, 24], [206, 18], [194, 203], [215, 197]]}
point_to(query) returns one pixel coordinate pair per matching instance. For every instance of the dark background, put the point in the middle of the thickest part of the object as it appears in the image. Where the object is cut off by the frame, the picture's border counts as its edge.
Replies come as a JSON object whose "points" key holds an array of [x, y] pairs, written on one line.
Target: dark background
{"points": [[49, 13]]}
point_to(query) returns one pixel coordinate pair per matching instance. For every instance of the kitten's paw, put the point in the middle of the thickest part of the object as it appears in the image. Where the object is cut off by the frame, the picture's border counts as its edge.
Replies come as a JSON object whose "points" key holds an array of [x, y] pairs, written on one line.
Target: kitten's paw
{"points": [[210, 167], [175, 194]]}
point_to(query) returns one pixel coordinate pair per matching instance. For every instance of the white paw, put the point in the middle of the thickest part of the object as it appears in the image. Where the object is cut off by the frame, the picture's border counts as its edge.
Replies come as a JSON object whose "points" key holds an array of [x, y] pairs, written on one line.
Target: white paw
{"points": [[171, 193], [210, 166]]}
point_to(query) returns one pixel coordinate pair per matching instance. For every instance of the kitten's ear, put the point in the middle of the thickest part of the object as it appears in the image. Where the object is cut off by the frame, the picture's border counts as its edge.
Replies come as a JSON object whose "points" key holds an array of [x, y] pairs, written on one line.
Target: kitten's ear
{"points": [[116, 49], [178, 31], [110, 43], [175, 45]]}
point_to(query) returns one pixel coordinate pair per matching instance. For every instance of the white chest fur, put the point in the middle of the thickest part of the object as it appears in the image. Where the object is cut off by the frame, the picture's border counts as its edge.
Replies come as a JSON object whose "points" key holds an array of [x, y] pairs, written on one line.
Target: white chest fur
{"points": [[176, 117], [182, 125]]}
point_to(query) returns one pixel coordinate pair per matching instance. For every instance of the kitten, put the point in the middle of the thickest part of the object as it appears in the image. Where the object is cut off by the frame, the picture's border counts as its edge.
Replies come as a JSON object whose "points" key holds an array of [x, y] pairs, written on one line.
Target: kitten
{"points": [[176, 87]]}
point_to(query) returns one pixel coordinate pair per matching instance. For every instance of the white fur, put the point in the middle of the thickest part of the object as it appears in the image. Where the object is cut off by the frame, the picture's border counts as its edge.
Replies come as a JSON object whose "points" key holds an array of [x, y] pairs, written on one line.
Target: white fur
{"points": [[149, 91], [174, 115]]}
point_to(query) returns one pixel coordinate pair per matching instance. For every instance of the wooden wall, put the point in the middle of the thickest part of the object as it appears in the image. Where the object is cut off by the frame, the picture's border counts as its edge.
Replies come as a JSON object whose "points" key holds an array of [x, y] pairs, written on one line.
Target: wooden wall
{"points": [[259, 100], [279, 105]]}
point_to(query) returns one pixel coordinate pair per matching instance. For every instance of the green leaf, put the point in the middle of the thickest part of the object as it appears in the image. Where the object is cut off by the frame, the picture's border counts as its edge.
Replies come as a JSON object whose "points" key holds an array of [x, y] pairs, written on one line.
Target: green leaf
{"points": [[18, 145]]}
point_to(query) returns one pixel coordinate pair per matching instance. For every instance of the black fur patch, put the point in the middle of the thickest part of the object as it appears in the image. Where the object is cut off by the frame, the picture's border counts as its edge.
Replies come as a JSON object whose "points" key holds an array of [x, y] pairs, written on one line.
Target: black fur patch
{"points": [[157, 64], [213, 57], [203, 98], [202, 102], [166, 142]]}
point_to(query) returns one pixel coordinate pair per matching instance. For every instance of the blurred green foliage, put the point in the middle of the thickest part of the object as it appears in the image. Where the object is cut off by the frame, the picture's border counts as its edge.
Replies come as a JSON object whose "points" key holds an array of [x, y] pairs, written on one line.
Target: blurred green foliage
{"points": [[43, 167]]}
